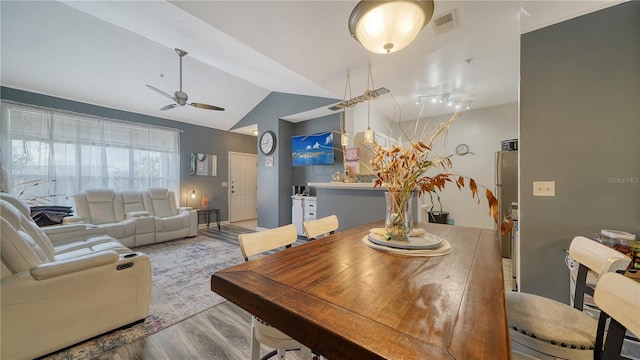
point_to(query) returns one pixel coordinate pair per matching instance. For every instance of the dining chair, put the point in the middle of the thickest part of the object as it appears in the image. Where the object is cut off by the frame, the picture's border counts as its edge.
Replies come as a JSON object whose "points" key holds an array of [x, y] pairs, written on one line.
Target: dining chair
{"points": [[324, 226], [548, 328], [618, 298], [261, 332]]}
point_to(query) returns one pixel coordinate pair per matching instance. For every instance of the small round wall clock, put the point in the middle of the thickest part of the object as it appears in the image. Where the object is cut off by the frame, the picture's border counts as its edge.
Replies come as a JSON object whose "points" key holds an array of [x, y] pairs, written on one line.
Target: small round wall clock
{"points": [[268, 142], [462, 149]]}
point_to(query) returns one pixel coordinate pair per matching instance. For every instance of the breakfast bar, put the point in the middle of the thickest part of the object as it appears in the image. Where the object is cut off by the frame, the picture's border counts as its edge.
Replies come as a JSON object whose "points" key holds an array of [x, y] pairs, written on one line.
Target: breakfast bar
{"points": [[345, 300], [354, 204]]}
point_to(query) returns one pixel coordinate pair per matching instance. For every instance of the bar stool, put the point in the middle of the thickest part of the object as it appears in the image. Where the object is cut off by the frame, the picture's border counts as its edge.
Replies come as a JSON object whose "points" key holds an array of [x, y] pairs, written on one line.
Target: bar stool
{"points": [[618, 298], [544, 327]]}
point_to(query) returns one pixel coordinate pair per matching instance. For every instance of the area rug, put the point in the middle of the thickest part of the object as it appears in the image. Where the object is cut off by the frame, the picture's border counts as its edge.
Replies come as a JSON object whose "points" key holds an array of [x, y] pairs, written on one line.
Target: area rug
{"points": [[181, 276]]}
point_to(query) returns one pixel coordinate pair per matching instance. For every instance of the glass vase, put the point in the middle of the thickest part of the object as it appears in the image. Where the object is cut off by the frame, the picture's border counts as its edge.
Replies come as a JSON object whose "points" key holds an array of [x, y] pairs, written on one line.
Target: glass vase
{"points": [[399, 219]]}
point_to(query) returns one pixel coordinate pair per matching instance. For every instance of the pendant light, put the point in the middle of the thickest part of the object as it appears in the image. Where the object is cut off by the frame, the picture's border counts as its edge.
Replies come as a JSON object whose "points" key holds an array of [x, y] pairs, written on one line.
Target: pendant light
{"points": [[344, 137], [369, 134], [387, 26]]}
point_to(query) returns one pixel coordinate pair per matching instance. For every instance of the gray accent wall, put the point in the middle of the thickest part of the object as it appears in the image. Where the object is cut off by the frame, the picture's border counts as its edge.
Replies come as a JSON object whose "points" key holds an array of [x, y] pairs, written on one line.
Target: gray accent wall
{"points": [[303, 175], [579, 127], [275, 182], [193, 138]]}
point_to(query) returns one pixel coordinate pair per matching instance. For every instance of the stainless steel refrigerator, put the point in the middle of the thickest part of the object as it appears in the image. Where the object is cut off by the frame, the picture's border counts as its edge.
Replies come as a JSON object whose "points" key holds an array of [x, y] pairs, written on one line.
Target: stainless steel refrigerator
{"points": [[506, 191]]}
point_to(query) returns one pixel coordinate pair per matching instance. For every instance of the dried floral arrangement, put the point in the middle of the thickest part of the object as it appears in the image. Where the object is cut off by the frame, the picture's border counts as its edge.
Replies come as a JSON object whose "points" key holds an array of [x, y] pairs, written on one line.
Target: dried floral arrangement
{"points": [[403, 170]]}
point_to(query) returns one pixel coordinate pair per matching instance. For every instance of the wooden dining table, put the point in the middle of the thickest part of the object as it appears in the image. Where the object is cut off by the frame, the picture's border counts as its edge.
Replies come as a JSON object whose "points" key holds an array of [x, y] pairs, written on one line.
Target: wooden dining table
{"points": [[346, 300]]}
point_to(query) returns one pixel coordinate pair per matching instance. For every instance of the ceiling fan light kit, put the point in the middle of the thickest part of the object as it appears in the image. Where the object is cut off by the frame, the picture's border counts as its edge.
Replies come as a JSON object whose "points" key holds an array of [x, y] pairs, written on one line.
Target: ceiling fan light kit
{"points": [[181, 97], [387, 26]]}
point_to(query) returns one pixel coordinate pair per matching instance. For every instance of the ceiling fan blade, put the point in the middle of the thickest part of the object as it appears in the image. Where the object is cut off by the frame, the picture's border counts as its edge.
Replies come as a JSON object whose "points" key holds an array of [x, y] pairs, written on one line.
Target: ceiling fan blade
{"points": [[161, 92], [206, 106], [168, 107]]}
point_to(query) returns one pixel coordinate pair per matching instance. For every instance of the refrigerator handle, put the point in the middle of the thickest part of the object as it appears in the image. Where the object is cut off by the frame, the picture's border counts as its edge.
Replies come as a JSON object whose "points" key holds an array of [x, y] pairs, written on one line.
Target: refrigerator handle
{"points": [[497, 169]]}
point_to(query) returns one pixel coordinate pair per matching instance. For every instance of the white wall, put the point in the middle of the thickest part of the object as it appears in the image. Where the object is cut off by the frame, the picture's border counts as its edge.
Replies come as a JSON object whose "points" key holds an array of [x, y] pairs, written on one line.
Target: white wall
{"points": [[482, 130]]}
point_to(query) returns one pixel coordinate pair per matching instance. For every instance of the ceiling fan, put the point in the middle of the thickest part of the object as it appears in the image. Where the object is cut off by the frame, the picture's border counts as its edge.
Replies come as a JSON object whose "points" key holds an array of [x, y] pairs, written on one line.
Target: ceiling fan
{"points": [[181, 97]]}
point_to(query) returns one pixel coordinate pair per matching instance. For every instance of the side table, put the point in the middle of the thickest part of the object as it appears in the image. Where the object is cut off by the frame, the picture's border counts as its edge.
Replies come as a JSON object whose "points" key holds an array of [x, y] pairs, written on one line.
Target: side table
{"points": [[205, 215]]}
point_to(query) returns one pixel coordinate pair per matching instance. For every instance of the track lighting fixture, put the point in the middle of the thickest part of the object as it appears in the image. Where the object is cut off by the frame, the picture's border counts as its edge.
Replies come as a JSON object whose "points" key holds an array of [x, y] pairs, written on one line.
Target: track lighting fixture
{"points": [[445, 98]]}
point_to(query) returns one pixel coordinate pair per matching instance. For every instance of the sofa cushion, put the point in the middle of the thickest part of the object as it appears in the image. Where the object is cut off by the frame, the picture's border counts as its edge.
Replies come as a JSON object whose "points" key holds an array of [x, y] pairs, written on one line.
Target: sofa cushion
{"points": [[19, 251], [100, 195], [102, 213], [158, 193], [93, 243], [81, 251], [120, 230], [160, 202], [27, 224], [171, 223], [132, 201], [22, 206]]}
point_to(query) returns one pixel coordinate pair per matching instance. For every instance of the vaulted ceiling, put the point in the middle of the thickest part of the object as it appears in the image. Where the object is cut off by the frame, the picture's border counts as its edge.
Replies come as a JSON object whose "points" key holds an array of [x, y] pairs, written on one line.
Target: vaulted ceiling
{"points": [[105, 52]]}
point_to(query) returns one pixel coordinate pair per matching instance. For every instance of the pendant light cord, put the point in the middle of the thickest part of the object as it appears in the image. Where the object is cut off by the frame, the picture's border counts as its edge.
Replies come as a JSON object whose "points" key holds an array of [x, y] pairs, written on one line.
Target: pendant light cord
{"points": [[370, 87], [347, 85]]}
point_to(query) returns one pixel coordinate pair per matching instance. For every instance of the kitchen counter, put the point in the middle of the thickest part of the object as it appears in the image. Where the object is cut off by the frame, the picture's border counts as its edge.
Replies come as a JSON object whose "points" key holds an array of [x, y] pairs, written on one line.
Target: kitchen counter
{"points": [[353, 203], [343, 185]]}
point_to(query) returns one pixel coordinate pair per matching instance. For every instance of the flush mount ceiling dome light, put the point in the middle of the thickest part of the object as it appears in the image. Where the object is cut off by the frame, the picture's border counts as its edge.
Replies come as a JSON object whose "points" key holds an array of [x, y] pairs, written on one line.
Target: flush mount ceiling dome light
{"points": [[386, 26]]}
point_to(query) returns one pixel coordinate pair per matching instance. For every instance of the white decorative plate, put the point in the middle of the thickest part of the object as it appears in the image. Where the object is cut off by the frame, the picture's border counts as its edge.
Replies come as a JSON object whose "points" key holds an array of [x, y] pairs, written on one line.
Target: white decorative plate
{"points": [[425, 241]]}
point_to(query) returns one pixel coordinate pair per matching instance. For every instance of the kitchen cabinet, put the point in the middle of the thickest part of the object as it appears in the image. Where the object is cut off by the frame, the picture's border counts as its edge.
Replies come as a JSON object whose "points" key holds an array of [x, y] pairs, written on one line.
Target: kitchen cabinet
{"points": [[303, 209]]}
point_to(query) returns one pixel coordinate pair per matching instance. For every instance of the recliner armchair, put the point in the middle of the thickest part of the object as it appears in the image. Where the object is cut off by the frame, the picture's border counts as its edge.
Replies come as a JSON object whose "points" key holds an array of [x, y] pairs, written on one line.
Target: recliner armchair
{"points": [[64, 284], [172, 222], [104, 207]]}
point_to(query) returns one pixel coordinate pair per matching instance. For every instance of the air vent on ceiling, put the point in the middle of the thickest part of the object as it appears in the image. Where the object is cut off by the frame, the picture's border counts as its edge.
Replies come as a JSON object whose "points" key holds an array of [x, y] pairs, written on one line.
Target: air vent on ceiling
{"points": [[445, 22]]}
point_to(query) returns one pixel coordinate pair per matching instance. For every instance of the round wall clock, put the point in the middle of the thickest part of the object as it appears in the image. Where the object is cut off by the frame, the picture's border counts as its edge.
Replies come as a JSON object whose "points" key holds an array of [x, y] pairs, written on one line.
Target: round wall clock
{"points": [[268, 142], [462, 149]]}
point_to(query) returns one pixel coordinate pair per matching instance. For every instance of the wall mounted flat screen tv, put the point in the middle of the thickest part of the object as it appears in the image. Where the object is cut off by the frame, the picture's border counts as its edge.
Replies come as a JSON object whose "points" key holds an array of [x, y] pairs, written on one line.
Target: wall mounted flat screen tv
{"points": [[316, 149]]}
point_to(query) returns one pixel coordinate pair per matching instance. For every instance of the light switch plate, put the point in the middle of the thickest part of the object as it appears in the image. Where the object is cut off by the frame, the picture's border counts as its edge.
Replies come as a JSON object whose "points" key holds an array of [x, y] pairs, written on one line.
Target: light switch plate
{"points": [[544, 188]]}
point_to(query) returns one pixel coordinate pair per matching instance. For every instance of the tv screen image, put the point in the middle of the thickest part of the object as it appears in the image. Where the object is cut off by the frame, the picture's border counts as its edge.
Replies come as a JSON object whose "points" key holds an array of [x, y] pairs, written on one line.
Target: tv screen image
{"points": [[316, 149]]}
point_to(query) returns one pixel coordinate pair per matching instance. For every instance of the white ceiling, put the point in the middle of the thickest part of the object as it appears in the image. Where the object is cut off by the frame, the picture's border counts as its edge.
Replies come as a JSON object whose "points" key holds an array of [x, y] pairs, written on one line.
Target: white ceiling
{"points": [[105, 52]]}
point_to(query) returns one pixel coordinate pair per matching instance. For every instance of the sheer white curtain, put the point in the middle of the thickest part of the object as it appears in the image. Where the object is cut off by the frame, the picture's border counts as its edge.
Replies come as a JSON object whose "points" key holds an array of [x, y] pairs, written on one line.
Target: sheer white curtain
{"points": [[49, 155]]}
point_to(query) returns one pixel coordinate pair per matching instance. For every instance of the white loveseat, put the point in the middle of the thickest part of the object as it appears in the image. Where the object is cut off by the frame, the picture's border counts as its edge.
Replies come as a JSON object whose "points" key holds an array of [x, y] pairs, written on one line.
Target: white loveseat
{"points": [[61, 285], [137, 218]]}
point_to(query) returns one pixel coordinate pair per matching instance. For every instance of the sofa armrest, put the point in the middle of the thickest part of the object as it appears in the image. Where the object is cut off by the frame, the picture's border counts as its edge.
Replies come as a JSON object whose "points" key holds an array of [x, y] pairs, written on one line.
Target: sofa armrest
{"points": [[53, 230], [138, 214], [71, 220], [58, 268]]}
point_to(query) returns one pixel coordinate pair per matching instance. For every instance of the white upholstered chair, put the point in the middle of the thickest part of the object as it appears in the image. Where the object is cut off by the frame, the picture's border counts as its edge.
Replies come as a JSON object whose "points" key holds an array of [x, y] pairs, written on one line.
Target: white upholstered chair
{"points": [[262, 333], [321, 227], [546, 328], [64, 284]]}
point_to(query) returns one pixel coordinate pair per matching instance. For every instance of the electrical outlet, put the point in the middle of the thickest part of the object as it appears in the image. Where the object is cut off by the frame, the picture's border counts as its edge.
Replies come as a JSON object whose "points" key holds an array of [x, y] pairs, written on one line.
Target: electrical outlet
{"points": [[544, 188]]}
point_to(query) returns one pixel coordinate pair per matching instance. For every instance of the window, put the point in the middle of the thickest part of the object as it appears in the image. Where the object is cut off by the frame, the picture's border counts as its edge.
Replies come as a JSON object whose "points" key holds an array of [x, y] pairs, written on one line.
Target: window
{"points": [[50, 155]]}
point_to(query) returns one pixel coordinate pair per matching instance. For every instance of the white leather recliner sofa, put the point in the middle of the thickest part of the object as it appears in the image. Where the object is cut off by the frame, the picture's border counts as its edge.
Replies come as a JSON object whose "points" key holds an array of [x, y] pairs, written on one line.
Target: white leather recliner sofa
{"points": [[137, 218], [61, 285]]}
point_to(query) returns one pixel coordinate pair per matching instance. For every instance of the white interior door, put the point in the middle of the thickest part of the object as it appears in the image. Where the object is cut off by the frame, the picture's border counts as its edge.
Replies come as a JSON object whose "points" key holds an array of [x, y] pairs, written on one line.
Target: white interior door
{"points": [[243, 189]]}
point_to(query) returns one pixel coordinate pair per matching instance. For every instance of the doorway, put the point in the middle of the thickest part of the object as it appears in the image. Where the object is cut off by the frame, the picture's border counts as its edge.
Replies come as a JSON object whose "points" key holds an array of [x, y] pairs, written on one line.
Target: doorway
{"points": [[243, 189]]}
